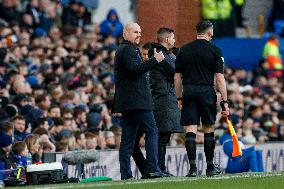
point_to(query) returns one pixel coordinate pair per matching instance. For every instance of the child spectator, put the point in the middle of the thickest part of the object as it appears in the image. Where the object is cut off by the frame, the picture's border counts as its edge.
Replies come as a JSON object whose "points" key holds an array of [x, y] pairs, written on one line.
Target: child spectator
{"points": [[19, 154]]}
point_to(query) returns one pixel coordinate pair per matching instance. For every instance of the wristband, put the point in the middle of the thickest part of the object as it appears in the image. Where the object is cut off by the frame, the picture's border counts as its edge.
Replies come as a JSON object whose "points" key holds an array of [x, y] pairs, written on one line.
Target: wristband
{"points": [[222, 104], [180, 98]]}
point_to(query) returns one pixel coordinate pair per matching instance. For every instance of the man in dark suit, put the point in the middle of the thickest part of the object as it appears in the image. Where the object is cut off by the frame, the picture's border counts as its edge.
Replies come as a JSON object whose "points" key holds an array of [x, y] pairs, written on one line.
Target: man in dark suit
{"points": [[133, 100], [166, 111]]}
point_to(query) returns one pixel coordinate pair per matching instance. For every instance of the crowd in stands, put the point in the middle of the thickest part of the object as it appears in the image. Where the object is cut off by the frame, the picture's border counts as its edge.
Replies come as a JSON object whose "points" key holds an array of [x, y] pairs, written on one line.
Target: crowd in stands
{"points": [[57, 84], [56, 78]]}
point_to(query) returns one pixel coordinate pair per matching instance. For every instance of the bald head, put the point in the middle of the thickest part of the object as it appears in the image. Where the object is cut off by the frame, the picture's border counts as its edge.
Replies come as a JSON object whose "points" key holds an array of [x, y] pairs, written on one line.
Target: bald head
{"points": [[132, 33]]}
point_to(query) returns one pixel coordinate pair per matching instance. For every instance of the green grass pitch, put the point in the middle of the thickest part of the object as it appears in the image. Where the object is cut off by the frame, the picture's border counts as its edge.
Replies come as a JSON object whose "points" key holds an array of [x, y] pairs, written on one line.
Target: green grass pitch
{"points": [[236, 181]]}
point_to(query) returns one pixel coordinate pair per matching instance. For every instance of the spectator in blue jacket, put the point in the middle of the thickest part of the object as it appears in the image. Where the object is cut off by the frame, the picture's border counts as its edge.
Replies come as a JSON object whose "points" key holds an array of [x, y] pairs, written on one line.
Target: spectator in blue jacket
{"points": [[111, 25], [19, 154], [251, 159]]}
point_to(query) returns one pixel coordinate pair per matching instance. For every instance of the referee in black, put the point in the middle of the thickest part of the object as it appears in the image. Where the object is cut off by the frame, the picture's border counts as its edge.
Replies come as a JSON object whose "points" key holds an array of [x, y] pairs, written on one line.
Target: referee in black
{"points": [[197, 65]]}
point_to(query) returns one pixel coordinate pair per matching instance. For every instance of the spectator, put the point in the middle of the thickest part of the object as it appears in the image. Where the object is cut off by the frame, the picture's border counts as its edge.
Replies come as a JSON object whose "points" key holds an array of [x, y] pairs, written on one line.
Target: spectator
{"points": [[251, 159], [20, 132], [62, 147], [84, 15], [272, 55], [54, 111], [80, 140], [8, 11], [5, 147], [91, 141], [219, 12], [144, 51], [7, 128], [34, 147], [70, 140], [33, 10], [111, 25], [69, 15], [110, 140], [19, 154]]}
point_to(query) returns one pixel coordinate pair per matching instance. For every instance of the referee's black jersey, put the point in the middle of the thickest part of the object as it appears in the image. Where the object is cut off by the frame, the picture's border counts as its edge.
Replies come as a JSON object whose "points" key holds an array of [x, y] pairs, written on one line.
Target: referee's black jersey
{"points": [[198, 61]]}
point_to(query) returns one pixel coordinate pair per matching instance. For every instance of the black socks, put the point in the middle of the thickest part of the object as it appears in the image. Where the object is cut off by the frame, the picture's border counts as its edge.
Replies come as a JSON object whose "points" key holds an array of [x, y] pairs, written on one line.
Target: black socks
{"points": [[209, 146]]}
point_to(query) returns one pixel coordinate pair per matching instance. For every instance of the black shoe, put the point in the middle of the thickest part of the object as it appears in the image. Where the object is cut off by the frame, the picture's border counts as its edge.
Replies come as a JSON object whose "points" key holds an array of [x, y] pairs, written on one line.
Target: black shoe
{"points": [[167, 174], [153, 175], [192, 173], [213, 171], [128, 178]]}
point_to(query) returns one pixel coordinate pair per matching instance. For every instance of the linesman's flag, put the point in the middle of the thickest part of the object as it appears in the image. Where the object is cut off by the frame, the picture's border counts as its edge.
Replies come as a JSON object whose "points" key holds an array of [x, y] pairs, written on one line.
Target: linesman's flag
{"points": [[237, 151]]}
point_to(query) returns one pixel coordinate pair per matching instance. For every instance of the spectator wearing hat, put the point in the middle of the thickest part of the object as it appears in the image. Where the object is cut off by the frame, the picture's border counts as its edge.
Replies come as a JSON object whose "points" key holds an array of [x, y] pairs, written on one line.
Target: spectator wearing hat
{"points": [[94, 120], [33, 115], [70, 140], [5, 147], [111, 25], [32, 80], [11, 110], [21, 100]]}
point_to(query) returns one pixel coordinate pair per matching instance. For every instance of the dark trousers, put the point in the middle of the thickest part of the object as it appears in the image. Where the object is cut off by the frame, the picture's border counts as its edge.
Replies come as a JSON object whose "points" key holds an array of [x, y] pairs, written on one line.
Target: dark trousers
{"points": [[163, 139], [137, 154], [131, 122]]}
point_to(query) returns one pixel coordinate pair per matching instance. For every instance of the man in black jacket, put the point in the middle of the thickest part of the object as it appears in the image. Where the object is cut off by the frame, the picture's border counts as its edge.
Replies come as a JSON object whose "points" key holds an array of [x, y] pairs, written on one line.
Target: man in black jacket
{"points": [[166, 111], [133, 100]]}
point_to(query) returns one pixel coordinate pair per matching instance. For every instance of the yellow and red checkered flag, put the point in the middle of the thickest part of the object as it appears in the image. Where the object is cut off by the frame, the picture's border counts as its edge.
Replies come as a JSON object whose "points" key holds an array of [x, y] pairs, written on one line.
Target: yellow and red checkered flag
{"points": [[237, 151]]}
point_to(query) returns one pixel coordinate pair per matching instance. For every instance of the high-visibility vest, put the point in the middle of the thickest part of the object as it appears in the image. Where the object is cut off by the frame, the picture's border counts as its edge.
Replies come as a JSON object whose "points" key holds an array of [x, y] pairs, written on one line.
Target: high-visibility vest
{"points": [[239, 2], [216, 9], [272, 55]]}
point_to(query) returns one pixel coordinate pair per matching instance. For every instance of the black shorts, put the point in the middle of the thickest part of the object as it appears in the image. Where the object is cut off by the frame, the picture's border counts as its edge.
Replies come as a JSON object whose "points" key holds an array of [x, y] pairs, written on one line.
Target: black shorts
{"points": [[198, 102]]}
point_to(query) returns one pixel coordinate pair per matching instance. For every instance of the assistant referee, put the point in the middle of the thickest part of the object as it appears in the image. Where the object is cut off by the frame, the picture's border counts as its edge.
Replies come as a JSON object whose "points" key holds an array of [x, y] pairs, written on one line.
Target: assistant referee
{"points": [[197, 65]]}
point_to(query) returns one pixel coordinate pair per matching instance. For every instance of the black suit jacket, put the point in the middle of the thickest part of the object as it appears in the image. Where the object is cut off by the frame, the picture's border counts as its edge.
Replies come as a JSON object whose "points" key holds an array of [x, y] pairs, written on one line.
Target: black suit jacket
{"points": [[132, 90]]}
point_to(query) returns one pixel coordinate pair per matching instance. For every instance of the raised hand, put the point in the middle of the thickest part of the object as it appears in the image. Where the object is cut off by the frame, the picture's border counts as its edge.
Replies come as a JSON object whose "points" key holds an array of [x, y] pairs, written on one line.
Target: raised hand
{"points": [[159, 55]]}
